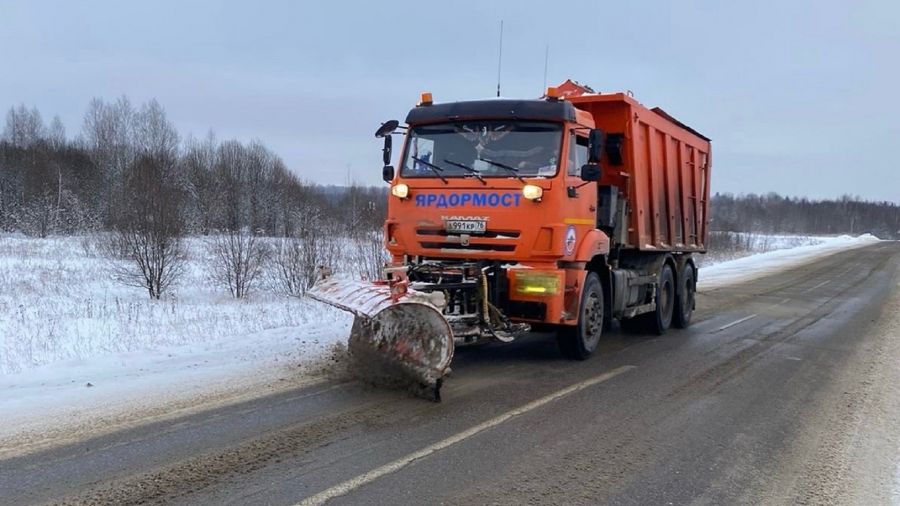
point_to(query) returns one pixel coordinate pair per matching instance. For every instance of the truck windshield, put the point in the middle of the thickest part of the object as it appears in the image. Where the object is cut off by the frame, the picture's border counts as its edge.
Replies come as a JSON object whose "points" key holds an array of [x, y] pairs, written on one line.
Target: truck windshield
{"points": [[483, 149]]}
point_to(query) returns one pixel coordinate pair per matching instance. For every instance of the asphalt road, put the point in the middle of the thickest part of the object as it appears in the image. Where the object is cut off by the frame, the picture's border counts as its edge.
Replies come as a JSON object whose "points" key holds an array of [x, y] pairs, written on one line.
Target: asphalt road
{"points": [[749, 405]]}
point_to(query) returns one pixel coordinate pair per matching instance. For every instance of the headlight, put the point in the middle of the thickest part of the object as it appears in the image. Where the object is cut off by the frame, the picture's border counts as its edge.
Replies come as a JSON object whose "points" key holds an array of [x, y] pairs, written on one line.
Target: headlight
{"points": [[532, 192], [400, 191]]}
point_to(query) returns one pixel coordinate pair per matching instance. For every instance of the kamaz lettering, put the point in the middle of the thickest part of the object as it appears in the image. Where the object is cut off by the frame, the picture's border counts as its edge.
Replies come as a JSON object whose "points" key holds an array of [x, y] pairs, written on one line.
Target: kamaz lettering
{"points": [[468, 199]]}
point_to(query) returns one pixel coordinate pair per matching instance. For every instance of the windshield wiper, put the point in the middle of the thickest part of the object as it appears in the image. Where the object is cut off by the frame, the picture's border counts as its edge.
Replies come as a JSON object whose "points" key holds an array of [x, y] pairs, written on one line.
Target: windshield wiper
{"points": [[513, 170], [468, 169], [434, 168]]}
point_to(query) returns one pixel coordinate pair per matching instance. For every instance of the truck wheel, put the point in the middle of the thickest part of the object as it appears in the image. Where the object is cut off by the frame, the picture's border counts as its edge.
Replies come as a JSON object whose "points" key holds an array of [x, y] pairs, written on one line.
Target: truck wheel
{"points": [[684, 300], [659, 320], [580, 341]]}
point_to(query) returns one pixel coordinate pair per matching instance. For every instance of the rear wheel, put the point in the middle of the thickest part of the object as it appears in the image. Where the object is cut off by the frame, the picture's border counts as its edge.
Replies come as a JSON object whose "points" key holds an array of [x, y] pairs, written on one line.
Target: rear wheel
{"points": [[660, 319], [580, 341], [684, 300]]}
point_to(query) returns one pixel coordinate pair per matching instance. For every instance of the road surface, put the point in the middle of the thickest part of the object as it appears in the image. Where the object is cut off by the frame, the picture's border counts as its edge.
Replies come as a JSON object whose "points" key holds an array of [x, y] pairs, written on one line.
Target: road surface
{"points": [[782, 391]]}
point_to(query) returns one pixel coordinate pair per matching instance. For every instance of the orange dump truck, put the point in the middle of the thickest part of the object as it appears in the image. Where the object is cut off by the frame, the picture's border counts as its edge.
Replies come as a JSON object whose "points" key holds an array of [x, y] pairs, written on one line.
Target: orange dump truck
{"points": [[561, 213]]}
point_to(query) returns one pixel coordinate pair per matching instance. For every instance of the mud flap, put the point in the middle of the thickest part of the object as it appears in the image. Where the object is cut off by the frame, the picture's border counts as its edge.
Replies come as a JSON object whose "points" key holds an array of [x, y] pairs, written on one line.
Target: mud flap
{"points": [[395, 336]]}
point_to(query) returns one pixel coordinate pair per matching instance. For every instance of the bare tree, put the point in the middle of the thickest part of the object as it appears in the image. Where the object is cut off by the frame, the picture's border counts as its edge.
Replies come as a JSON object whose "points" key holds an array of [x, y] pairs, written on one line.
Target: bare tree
{"points": [[56, 134], [200, 183], [24, 127], [298, 258], [370, 254], [108, 133], [153, 134], [364, 221], [239, 257], [147, 230]]}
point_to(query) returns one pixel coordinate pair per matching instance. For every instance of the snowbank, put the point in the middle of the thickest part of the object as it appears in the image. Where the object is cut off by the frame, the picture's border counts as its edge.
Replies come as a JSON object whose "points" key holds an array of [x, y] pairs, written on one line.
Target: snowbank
{"points": [[742, 269]]}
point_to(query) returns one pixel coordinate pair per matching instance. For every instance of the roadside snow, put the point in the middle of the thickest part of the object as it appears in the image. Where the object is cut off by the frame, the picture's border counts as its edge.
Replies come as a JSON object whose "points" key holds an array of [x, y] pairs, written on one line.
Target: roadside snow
{"points": [[79, 353], [742, 269], [74, 345]]}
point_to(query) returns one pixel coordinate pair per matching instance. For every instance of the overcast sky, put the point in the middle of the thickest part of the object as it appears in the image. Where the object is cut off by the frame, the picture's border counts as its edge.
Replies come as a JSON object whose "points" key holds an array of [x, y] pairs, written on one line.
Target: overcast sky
{"points": [[798, 97]]}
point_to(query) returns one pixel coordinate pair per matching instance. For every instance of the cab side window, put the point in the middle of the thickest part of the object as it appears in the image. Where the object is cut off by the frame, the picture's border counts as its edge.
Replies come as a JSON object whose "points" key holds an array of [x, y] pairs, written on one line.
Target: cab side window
{"points": [[578, 154]]}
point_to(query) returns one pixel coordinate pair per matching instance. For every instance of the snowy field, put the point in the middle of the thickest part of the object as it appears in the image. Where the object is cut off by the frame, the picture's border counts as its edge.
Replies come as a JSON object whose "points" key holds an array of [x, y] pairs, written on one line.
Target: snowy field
{"points": [[726, 246], [58, 303], [74, 345], [792, 252]]}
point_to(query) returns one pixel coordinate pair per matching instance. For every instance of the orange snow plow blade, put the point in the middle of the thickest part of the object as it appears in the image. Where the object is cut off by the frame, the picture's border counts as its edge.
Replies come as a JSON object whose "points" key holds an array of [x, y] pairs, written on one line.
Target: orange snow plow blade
{"points": [[397, 331]]}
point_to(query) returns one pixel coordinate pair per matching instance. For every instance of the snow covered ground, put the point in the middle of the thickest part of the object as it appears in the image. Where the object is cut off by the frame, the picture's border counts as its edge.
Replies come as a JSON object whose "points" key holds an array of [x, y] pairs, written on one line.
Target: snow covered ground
{"points": [[740, 269], [78, 350], [725, 246], [74, 344]]}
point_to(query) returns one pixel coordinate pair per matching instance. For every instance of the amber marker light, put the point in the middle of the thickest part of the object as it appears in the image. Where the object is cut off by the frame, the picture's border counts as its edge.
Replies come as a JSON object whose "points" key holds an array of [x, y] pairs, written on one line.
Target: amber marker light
{"points": [[553, 93], [426, 98]]}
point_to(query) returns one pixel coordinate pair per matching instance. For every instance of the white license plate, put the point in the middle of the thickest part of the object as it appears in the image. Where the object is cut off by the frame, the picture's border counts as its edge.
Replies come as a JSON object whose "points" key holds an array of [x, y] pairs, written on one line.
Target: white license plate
{"points": [[465, 226]]}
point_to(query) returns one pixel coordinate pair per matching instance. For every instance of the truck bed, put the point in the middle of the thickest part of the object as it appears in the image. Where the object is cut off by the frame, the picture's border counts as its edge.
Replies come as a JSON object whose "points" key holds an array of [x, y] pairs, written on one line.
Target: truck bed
{"points": [[662, 170]]}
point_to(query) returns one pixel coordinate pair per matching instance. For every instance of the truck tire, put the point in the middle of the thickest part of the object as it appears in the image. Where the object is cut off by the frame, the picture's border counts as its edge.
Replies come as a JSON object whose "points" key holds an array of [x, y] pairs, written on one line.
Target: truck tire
{"points": [[580, 341], [660, 319], [684, 300]]}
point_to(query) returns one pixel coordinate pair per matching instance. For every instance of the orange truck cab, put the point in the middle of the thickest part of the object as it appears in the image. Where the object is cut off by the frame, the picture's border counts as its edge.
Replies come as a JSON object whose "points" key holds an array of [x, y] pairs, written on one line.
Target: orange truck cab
{"points": [[561, 213]]}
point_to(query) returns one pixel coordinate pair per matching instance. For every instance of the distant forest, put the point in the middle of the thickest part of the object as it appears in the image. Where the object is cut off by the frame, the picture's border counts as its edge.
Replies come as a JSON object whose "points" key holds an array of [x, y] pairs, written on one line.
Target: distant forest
{"points": [[775, 214], [52, 183]]}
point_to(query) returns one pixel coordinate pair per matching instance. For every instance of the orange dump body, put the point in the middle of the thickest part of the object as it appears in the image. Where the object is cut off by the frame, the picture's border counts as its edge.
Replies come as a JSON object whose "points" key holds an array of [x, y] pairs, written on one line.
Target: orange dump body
{"points": [[664, 173]]}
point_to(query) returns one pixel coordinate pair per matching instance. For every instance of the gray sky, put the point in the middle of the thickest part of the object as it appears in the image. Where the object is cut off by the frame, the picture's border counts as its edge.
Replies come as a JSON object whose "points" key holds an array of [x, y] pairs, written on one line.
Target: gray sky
{"points": [[799, 97]]}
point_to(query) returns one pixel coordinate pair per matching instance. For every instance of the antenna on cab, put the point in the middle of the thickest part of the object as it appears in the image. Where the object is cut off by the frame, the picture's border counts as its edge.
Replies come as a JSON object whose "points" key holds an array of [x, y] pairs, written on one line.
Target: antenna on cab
{"points": [[499, 57], [546, 65]]}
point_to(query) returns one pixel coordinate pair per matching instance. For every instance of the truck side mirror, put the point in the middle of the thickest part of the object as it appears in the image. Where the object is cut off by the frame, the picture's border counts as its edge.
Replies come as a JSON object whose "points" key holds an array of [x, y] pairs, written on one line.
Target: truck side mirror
{"points": [[386, 150], [590, 172], [387, 128], [387, 173], [595, 145]]}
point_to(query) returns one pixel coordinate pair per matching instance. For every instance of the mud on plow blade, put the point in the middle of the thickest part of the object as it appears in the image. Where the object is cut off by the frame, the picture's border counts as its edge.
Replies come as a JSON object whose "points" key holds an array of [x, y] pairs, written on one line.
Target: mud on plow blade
{"points": [[397, 332]]}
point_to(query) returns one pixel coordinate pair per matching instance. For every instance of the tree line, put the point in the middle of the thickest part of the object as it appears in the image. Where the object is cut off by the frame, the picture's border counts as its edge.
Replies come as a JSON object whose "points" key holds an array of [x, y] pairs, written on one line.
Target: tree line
{"points": [[776, 214], [132, 182], [53, 184]]}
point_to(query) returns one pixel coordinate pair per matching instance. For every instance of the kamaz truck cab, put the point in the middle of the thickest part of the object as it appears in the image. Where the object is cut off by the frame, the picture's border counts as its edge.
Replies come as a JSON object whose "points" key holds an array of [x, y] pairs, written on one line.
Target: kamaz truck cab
{"points": [[560, 213]]}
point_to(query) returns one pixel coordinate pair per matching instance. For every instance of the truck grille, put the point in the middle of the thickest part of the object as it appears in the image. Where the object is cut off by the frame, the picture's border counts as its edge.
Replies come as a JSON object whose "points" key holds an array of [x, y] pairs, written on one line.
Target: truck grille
{"points": [[469, 247], [499, 241], [489, 234]]}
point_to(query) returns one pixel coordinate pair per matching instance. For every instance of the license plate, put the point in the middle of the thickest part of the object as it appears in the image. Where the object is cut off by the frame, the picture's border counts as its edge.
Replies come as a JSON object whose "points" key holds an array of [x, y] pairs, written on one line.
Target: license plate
{"points": [[465, 226]]}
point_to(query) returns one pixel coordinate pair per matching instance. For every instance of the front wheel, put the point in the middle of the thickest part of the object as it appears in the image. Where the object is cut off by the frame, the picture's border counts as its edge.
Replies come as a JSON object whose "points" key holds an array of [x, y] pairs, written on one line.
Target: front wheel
{"points": [[580, 341]]}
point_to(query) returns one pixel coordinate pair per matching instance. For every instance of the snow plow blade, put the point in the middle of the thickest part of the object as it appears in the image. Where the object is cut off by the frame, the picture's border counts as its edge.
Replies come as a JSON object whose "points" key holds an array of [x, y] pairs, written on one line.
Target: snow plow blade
{"points": [[397, 333]]}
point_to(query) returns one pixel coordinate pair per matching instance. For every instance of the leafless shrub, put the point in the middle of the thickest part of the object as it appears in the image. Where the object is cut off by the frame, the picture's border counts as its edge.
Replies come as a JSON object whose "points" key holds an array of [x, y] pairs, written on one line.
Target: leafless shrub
{"points": [[238, 259], [52, 213], [370, 254], [731, 242], [294, 266], [297, 258], [146, 238]]}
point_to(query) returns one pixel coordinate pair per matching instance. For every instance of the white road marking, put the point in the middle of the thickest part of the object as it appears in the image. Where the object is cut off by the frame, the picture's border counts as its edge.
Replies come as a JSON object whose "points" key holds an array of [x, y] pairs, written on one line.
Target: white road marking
{"points": [[365, 478], [823, 283], [732, 324]]}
